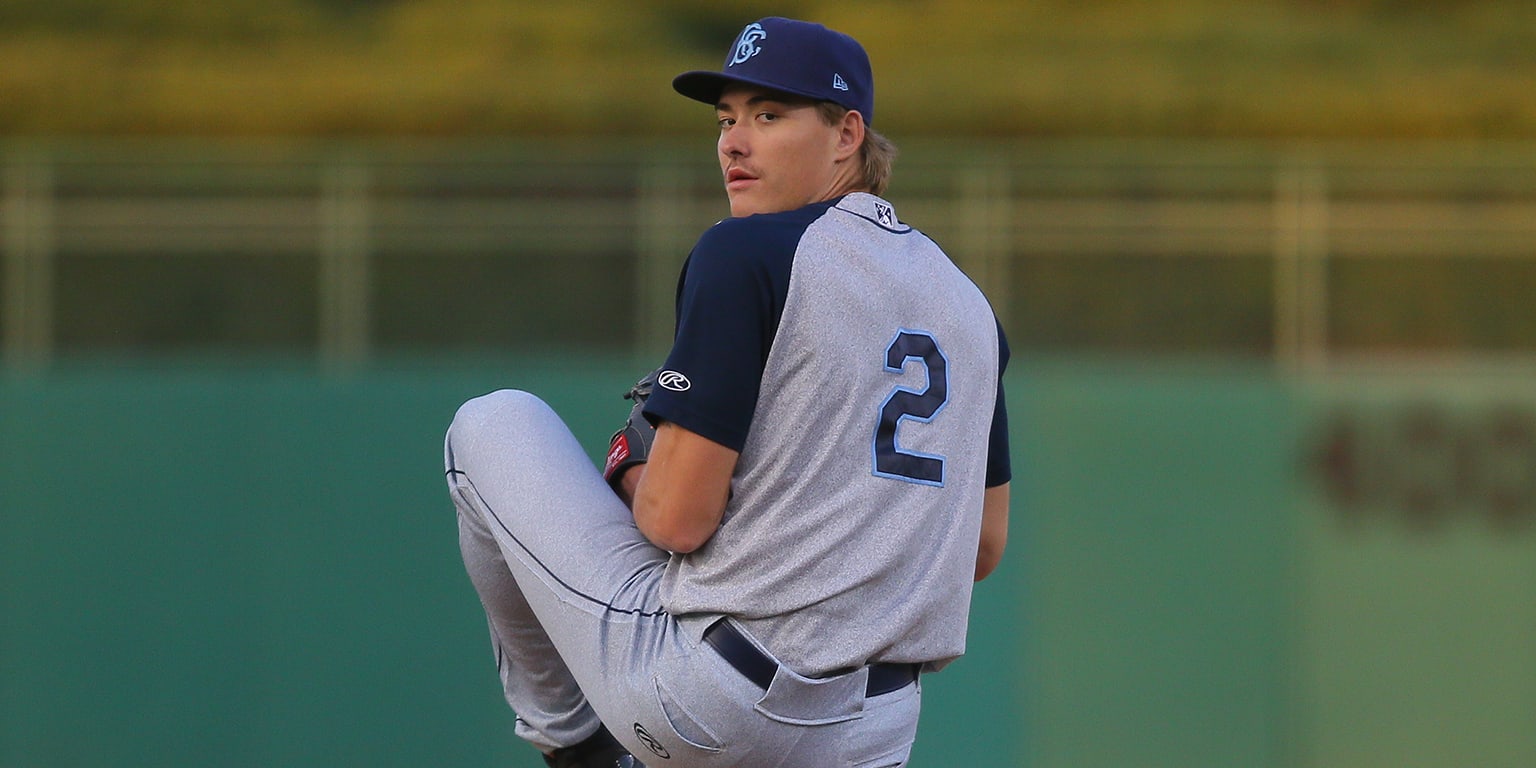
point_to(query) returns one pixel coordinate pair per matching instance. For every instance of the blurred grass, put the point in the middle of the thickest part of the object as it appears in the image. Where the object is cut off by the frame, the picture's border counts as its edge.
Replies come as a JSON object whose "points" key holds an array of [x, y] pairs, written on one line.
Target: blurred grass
{"points": [[1269, 68]]}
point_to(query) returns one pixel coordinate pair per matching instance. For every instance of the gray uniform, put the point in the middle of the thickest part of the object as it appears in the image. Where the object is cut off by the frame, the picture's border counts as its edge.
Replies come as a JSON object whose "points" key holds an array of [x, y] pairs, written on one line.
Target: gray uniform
{"points": [[827, 560], [857, 372]]}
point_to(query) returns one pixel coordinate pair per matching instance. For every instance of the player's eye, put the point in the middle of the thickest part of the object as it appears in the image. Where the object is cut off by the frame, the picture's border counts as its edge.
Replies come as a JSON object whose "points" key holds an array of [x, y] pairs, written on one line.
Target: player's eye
{"points": [[725, 122], [767, 117]]}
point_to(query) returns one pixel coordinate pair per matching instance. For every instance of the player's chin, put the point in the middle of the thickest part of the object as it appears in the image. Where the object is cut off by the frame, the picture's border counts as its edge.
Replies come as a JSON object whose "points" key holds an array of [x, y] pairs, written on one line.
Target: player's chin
{"points": [[741, 204], [745, 203]]}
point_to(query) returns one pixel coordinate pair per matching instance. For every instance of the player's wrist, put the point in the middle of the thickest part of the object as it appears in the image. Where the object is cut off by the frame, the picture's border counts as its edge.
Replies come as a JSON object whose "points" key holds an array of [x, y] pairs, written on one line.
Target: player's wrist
{"points": [[627, 481]]}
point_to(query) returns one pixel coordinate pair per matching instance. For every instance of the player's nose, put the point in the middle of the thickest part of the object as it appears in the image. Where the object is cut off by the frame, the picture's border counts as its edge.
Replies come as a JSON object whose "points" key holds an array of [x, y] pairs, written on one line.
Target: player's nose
{"points": [[733, 143]]}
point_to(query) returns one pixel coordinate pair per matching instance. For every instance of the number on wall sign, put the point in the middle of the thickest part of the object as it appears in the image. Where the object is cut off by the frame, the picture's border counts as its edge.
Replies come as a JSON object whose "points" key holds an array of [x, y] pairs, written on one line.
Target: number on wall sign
{"points": [[1426, 464], [907, 405]]}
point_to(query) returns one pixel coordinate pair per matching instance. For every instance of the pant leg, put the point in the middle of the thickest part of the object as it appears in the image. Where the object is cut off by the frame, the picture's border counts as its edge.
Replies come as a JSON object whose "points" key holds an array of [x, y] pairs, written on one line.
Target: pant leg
{"points": [[551, 709], [565, 577], [570, 587]]}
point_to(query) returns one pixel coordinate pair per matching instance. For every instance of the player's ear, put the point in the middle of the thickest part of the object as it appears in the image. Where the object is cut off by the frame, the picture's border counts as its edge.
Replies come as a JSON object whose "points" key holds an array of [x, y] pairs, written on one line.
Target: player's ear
{"points": [[850, 134]]}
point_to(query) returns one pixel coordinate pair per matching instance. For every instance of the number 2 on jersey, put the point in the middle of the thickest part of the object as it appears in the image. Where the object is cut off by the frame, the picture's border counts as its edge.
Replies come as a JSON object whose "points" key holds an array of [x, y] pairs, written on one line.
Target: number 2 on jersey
{"points": [[904, 405]]}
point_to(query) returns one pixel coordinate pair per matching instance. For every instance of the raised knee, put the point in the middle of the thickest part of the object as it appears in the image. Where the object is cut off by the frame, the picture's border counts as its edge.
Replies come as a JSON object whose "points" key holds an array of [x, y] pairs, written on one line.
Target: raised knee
{"points": [[501, 406]]}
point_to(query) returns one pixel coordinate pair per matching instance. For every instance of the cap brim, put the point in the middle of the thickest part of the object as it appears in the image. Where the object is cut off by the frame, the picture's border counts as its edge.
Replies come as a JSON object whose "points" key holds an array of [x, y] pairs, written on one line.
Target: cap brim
{"points": [[706, 86]]}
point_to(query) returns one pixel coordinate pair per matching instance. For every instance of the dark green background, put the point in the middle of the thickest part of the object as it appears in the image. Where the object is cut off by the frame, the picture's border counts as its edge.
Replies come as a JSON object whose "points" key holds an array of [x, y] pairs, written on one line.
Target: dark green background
{"points": [[257, 565]]}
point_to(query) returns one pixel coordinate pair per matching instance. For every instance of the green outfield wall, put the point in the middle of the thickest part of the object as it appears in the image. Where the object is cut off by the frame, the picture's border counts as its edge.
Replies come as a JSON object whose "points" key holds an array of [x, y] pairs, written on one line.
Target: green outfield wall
{"points": [[256, 565]]}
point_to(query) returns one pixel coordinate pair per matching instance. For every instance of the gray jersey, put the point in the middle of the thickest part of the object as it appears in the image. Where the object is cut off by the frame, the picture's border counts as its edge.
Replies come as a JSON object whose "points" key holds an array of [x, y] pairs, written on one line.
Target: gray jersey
{"points": [[857, 371]]}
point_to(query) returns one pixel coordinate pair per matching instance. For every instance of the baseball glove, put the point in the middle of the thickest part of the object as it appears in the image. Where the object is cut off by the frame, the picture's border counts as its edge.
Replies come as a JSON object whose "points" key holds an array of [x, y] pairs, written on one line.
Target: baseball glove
{"points": [[631, 445]]}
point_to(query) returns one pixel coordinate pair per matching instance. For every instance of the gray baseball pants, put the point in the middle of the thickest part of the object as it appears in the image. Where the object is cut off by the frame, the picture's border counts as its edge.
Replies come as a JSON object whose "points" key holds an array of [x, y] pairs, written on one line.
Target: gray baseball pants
{"points": [[571, 591]]}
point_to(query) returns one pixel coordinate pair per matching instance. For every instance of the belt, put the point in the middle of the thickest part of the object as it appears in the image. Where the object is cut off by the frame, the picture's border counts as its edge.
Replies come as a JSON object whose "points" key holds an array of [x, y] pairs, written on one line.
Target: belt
{"points": [[756, 666]]}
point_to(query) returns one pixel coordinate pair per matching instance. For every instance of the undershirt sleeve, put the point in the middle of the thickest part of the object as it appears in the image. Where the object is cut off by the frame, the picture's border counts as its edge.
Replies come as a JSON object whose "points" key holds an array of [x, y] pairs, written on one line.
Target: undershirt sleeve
{"points": [[730, 298], [999, 465]]}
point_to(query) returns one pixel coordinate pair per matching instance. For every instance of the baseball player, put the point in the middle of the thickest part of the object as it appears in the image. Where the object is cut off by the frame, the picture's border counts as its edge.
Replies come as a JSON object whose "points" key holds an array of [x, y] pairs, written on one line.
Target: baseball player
{"points": [[786, 530]]}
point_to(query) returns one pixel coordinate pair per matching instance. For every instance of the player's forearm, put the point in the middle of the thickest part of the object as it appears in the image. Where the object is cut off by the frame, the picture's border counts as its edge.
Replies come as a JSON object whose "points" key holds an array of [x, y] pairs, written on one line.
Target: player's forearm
{"points": [[672, 520], [681, 497], [994, 530]]}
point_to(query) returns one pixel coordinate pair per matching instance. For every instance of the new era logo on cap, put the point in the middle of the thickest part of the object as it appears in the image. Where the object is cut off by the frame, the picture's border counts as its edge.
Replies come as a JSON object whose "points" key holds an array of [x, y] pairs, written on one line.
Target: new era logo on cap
{"points": [[795, 57]]}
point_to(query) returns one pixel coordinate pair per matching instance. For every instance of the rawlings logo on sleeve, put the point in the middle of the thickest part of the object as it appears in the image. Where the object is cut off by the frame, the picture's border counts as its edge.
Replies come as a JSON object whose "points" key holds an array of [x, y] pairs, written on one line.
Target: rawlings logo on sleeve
{"points": [[674, 381]]}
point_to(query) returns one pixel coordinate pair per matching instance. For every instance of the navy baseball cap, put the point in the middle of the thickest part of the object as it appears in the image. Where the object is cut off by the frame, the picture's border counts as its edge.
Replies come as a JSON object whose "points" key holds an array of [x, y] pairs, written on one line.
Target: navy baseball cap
{"points": [[797, 57]]}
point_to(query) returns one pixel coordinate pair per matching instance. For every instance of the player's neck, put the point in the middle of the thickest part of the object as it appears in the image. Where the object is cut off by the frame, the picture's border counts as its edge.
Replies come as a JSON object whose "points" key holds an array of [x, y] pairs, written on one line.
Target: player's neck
{"points": [[846, 182]]}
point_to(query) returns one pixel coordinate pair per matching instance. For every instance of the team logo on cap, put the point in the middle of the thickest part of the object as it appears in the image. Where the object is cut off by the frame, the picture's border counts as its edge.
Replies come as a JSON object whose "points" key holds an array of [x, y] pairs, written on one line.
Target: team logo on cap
{"points": [[746, 45]]}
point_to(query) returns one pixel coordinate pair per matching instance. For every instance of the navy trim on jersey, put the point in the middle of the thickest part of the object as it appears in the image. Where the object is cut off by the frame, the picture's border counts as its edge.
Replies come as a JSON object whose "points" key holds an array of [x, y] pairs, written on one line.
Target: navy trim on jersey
{"points": [[730, 299]]}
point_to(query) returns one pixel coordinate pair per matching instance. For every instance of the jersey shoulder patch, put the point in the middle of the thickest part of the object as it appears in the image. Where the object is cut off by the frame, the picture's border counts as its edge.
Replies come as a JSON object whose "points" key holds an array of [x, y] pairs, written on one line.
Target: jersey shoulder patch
{"points": [[874, 210]]}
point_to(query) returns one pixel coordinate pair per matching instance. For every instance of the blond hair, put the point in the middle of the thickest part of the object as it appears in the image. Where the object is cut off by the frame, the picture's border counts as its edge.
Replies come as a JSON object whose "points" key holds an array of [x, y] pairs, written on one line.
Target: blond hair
{"points": [[877, 154]]}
